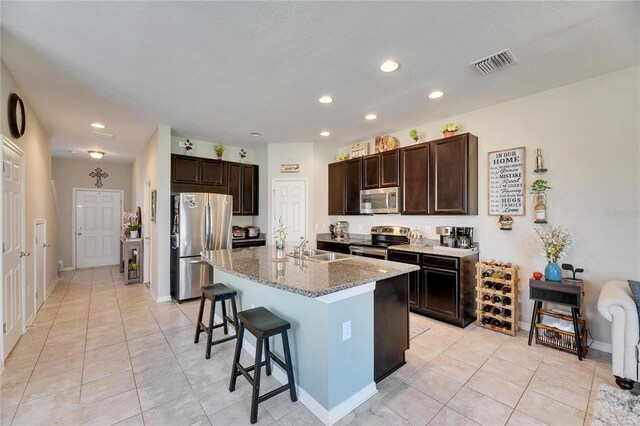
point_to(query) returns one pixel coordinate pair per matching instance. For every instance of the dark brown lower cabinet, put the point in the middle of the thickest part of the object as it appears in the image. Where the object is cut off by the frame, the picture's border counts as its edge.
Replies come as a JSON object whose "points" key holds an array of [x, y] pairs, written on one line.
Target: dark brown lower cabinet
{"points": [[444, 288], [391, 325]]}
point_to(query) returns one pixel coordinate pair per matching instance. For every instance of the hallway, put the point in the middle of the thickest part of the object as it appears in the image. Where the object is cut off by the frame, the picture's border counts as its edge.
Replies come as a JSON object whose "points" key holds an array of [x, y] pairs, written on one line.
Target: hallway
{"points": [[100, 352]]}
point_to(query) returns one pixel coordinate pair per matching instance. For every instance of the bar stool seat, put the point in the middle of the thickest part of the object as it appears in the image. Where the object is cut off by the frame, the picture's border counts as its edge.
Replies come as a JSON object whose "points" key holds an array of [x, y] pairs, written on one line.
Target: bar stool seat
{"points": [[217, 292], [262, 324]]}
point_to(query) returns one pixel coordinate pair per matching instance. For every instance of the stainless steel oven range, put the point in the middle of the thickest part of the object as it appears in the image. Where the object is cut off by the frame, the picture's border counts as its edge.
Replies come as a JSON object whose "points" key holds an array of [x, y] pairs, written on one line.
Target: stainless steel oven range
{"points": [[381, 238]]}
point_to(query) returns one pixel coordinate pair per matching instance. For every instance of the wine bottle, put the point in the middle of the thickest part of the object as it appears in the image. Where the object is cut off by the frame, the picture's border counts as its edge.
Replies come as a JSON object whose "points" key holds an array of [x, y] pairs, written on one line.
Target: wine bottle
{"points": [[486, 308], [506, 313], [487, 273], [496, 311], [486, 297], [506, 289], [506, 301], [507, 276], [488, 284], [496, 323], [507, 325], [497, 299], [486, 320], [498, 286]]}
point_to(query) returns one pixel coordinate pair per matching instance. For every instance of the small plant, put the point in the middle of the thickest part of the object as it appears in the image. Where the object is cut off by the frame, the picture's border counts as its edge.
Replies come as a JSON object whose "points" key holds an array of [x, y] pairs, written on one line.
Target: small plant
{"points": [[414, 134], [188, 145], [539, 186], [135, 227], [342, 156], [219, 149], [280, 234], [242, 152], [450, 127], [133, 266]]}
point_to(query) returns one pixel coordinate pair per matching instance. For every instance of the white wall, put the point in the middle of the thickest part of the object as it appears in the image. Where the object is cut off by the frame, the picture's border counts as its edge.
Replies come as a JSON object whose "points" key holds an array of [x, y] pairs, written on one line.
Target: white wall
{"points": [[590, 138], [70, 173], [36, 144], [153, 166]]}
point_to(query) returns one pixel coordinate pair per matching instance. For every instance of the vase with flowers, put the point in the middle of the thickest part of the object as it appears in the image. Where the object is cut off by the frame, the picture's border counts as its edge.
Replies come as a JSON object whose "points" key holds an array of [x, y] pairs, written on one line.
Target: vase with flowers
{"points": [[280, 238], [556, 240], [449, 129], [130, 225]]}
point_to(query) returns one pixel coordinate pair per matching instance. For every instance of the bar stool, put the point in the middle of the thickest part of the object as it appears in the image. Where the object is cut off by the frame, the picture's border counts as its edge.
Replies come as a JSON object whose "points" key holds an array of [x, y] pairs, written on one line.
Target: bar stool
{"points": [[262, 324], [216, 293]]}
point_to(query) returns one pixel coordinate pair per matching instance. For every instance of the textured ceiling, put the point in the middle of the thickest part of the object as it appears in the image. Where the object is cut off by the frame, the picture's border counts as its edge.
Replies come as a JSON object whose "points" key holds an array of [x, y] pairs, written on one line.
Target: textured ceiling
{"points": [[219, 70]]}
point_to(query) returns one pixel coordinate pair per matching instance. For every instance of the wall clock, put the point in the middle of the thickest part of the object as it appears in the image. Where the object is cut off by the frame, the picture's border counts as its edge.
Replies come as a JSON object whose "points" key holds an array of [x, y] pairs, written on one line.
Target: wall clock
{"points": [[17, 118]]}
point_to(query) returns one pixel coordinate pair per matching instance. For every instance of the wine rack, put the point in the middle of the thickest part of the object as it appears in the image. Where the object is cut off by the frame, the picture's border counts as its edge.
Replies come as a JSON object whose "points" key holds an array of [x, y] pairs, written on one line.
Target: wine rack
{"points": [[497, 303]]}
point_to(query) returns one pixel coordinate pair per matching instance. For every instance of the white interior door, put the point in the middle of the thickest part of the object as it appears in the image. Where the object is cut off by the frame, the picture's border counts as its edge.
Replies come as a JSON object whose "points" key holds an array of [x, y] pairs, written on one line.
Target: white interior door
{"points": [[40, 263], [12, 246], [290, 203], [97, 227]]}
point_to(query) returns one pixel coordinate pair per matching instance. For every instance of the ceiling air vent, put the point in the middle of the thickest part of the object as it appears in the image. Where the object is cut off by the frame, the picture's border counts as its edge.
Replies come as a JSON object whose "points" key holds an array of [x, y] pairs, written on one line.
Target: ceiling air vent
{"points": [[494, 62]]}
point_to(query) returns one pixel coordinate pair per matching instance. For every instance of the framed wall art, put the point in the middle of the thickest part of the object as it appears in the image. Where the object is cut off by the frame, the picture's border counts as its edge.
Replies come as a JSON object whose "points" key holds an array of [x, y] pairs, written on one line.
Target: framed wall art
{"points": [[506, 173], [154, 200]]}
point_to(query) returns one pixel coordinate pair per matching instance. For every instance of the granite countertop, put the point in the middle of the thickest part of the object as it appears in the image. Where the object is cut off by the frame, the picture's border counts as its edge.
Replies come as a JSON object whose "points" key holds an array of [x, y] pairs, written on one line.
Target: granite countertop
{"points": [[308, 278], [420, 248], [353, 238]]}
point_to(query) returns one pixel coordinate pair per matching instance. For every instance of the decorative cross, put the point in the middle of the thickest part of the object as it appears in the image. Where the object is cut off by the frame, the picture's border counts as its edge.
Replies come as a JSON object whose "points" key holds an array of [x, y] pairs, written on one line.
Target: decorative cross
{"points": [[98, 174]]}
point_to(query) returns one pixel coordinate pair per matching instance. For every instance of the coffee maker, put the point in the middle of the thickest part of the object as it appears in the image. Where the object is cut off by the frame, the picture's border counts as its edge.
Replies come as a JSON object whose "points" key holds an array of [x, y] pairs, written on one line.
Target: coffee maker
{"points": [[463, 236]]}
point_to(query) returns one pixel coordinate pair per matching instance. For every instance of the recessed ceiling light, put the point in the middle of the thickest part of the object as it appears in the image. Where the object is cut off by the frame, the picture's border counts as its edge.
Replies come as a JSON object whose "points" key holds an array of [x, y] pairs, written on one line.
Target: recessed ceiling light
{"points": [[370, 116], [435, 94], [96, 154], [325, 100], [97, 125], [325, 133], [389, 66], [255, 134]]}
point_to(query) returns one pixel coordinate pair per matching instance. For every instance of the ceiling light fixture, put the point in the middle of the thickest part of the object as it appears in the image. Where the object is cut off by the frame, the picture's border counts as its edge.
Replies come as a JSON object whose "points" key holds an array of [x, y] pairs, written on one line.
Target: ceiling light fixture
{"points": [[435, 94], [325, 99], [389, 66], [325, 133], [370, 117], [96, 154], [97, 125], [255, 134]]}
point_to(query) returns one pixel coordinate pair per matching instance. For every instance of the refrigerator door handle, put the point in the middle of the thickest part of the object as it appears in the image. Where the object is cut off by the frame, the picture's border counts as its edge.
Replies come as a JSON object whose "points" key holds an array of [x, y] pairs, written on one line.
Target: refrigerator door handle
{"points": [[208, 227]]}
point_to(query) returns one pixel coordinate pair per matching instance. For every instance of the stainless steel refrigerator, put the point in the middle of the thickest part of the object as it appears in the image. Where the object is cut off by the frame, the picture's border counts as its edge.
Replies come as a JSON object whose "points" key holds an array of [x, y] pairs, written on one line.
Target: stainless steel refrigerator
{"points": [[200, 222]]}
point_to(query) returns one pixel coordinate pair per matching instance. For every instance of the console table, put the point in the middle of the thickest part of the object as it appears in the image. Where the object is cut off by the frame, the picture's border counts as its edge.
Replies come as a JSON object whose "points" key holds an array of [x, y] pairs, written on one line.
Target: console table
{"points": [[131, 250], [568, 292]]}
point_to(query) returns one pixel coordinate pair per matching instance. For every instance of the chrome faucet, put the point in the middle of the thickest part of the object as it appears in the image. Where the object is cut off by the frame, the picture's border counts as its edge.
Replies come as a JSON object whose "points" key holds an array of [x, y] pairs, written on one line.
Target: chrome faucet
{"points": [[300, 248]]}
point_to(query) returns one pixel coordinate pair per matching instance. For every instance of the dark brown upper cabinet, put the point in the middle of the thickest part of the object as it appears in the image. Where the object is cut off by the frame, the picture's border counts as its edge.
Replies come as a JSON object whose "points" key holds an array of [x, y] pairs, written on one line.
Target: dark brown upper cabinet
{"points": [[243, 187], [185, 169], [213, 172], [453, 175], [381, 170], [195, 174], [345, 183], [415, 179]]}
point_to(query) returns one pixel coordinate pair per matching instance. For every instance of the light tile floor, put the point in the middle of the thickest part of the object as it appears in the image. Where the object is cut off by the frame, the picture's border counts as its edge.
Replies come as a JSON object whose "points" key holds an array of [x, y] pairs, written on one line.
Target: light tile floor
{"points": [[103, 353]]}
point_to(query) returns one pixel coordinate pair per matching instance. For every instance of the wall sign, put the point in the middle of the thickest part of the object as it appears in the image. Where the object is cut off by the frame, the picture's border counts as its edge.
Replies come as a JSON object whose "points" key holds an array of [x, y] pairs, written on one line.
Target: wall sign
{"points": [[289, 168], [507, 182]]}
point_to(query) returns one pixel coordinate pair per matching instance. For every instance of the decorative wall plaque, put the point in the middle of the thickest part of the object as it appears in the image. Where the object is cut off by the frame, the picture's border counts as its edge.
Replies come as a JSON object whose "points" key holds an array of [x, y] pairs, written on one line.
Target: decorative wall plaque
{"points": [[289, 168], [359, 149], [99, 175], [507, 182]]}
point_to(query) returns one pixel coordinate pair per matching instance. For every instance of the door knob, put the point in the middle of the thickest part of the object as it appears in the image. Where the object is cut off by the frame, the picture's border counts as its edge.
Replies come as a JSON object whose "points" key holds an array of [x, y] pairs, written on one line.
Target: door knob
{"points": [[24, 254], [79, 233], [46, 245]]}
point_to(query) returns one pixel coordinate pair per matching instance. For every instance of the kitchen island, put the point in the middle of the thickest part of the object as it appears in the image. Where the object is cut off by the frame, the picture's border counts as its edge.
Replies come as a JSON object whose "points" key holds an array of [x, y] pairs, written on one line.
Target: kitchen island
{"points": [[349, 320]]}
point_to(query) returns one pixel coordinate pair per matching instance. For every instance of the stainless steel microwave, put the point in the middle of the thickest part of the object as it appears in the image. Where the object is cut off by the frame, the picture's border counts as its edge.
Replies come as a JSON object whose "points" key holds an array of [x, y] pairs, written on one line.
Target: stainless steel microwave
{"points": [[380, 201]]}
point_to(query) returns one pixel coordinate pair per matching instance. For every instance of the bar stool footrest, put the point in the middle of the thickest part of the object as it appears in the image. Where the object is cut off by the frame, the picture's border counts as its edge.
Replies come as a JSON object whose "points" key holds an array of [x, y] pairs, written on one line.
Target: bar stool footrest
{"points": [[273, 393]]}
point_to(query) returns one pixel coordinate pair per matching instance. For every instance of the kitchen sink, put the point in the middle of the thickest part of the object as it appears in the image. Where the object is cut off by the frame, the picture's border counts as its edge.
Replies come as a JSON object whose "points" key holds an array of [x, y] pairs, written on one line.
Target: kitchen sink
{"points": [[328, 257], [308, 253]]}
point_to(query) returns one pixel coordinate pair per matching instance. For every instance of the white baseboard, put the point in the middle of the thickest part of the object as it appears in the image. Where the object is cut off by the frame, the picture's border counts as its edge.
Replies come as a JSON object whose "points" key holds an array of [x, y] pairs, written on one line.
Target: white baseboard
{"points": [[328, 417], [50, 287], [596, 344], [31, 318], [162, 299]]}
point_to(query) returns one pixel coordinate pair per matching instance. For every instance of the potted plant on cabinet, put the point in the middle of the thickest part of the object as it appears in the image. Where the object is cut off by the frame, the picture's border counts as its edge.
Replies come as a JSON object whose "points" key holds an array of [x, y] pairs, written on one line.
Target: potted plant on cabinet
{"points": [[449, 129], [219, 150], [134, 230], [415, 135], [133, 270]]}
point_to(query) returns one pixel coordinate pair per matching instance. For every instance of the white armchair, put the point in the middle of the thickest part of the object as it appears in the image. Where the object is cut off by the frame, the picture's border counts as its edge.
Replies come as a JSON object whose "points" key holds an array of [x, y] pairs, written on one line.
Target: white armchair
{"points": [[617, 305]]}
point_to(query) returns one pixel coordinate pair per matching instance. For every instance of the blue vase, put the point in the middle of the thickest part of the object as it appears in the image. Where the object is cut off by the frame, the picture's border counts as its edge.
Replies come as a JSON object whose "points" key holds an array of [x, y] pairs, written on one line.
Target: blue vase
{"points": [[552, 272]]}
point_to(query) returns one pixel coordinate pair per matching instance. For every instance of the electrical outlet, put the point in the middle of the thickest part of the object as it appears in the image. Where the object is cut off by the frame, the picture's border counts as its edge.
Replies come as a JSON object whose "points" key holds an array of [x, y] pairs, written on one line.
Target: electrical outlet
{"points": [[346, 330], [427, 229], [253, 305], [317, 226]]}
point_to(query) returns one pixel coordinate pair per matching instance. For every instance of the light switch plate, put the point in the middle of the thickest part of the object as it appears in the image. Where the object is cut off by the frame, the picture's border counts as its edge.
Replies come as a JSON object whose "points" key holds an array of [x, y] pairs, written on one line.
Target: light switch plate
{"points": [[346, 330]]}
